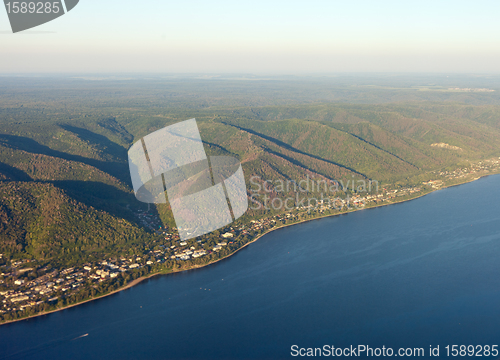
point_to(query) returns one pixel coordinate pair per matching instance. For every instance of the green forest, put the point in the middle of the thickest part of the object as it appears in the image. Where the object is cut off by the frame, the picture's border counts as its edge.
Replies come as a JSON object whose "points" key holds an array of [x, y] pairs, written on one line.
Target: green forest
{"points": [[64, 179], [66, 197]]}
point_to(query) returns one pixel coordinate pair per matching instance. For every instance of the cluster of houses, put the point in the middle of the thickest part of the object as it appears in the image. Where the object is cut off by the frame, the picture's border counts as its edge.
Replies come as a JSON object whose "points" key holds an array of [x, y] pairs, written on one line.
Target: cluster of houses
{"points": [[23, 293], [479, 167], [49, 287], [186, 254], [26, 293]]}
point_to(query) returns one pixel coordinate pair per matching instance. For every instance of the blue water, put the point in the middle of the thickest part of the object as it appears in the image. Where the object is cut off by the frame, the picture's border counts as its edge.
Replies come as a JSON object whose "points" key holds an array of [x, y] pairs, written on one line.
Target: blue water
{"points": [[425, 272]]}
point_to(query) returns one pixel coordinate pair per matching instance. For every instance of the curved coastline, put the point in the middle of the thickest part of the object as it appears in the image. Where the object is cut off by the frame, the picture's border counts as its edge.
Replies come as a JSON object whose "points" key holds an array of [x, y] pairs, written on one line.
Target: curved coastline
{"points": [[142, 278]]}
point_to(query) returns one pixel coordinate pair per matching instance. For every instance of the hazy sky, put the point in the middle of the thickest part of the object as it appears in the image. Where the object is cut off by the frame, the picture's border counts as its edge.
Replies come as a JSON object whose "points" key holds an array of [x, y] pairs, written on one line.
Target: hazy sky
{"points": [[283, 37]]}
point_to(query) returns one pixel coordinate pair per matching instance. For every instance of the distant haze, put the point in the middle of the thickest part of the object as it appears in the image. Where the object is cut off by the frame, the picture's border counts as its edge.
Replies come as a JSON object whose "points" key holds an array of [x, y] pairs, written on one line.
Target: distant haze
{"points": [[263, 37]]}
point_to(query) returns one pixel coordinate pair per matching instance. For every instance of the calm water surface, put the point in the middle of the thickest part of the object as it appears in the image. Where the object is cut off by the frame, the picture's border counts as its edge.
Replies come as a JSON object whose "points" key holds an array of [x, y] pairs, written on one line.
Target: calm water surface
{"points": [[425, 272]]}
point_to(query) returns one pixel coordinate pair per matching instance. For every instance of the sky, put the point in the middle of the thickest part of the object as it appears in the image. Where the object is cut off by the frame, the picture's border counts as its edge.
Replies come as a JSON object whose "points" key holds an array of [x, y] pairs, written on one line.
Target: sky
{"points": [[259, 37]]}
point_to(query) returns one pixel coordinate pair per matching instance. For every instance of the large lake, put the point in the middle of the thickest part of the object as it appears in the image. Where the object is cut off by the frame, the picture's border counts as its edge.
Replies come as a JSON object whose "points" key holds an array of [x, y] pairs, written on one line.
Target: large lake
{"points": [[421, 273]]}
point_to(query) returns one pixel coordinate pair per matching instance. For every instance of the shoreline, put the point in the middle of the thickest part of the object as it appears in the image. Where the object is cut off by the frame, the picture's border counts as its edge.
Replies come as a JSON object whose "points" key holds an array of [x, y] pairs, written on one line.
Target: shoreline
{"points": [[142, 278], [128, 286]]}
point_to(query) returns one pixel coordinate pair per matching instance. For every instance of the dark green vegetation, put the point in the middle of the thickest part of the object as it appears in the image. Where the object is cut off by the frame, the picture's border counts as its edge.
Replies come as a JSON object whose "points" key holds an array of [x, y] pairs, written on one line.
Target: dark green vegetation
{"points": [[65, 190], [65, 186]]}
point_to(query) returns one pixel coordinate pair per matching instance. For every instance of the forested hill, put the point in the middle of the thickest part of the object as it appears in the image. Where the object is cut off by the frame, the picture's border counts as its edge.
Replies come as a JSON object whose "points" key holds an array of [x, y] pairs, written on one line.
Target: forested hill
{"points": [[65, 190]]}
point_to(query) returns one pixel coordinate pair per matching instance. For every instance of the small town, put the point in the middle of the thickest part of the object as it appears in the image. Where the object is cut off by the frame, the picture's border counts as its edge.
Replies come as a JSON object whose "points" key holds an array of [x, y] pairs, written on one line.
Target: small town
{"points": [[24, 284]]}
